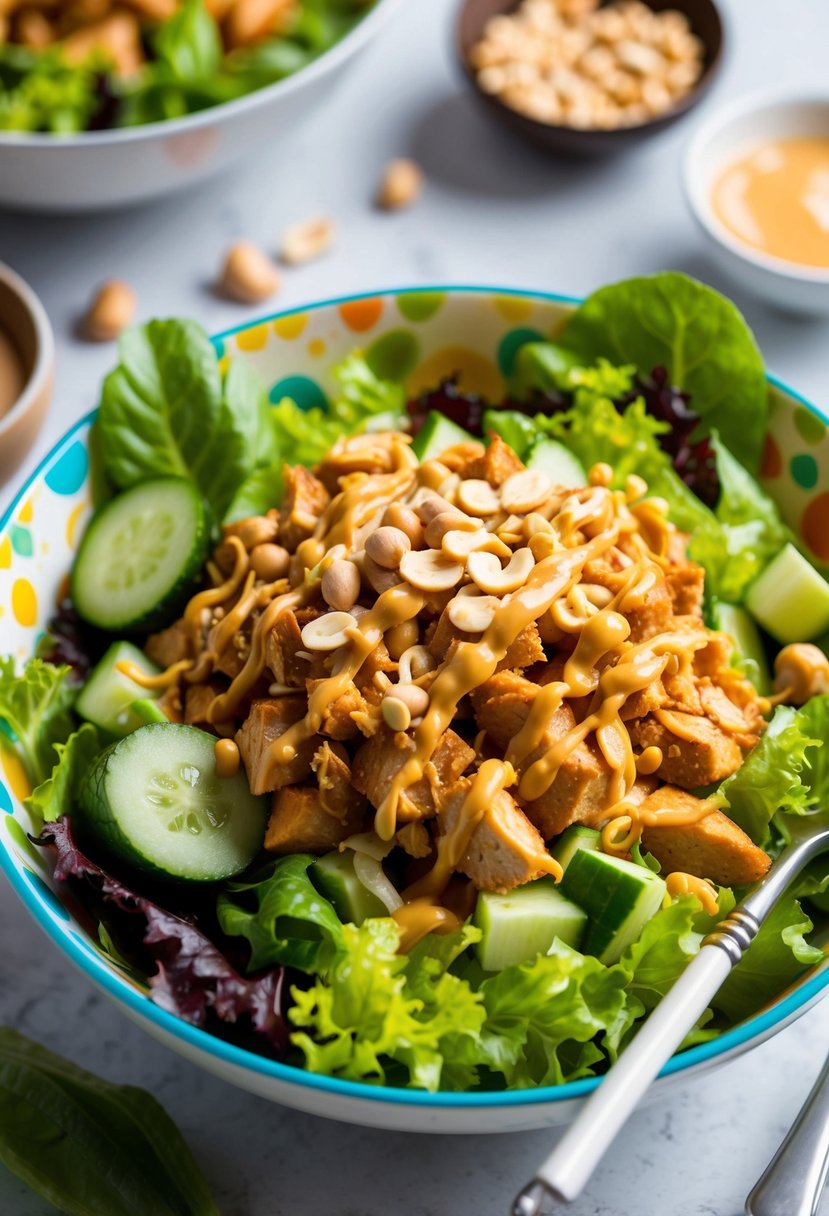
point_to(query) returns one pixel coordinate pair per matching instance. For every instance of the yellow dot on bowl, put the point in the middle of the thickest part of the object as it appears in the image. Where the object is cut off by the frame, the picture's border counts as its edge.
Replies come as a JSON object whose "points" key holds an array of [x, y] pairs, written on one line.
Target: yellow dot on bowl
{"points": [[513, 308], [72, 523], [27, 511], [253, 338], [224, 364], [316, 348], [5, 553], [24, 603], [476, 373], [12, 766], [292, 326]]}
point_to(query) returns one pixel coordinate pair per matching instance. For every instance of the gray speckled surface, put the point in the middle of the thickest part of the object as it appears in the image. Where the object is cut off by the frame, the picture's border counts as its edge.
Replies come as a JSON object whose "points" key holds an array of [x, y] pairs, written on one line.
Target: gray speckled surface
{"points": [[493, 212]]}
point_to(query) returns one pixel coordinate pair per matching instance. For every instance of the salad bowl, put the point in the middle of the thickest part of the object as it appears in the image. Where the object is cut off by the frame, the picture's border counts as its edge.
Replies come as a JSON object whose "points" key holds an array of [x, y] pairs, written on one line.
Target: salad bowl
{"points": [[417, 336]]}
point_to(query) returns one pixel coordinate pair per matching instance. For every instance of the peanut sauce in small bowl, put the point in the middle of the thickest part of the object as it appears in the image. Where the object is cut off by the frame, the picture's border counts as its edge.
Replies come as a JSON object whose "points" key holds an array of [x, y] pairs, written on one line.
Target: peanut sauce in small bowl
{"points": [[26, 365]]}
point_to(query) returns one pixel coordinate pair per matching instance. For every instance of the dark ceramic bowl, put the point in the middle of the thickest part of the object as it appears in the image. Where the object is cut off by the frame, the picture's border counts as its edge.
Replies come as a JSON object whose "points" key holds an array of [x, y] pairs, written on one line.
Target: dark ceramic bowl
{"points": [[705, 22]]}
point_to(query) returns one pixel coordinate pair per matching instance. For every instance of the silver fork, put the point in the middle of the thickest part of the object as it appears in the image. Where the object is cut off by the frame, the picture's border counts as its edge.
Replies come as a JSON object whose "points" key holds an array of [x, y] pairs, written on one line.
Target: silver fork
{"points": [[565, 1173]]}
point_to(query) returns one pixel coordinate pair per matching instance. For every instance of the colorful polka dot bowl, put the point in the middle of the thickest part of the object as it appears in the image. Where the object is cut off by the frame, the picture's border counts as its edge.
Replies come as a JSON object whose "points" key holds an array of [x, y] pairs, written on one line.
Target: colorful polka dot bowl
{"points": [[419, 336], [94, 170]]}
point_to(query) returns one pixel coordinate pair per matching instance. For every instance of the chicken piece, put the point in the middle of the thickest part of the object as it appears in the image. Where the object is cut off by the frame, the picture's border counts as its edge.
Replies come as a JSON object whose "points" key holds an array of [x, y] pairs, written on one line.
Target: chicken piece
{"points": [[686, 584], [379, 760], [197, 701], [378, 660], [303, 502], [337, 720], [170, 703], [523, 652], [652, 614], [497, 463], [504, 849], [713, 847], [169, 646], [414, 838], [360, 454], [337, 793], [730, 717], [695, 751], [267, 720], [285, 655], [299, 823], [501, 705]]}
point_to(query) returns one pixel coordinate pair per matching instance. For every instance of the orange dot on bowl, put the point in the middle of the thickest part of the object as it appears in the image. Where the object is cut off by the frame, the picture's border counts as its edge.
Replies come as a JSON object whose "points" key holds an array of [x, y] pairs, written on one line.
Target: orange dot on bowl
{"points": [[815, 526], [361, 315], [24, 603], [772, 462]]}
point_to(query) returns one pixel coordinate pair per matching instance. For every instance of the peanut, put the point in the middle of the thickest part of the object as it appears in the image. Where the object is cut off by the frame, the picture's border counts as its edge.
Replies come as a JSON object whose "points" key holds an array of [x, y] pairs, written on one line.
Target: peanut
{"points": [[341, 584], [250, 21], [404, 518], [270, 562], [400, 637], [111, 311], [248, 274], [387, 547], [415, 699], [307, 240], [401, 185]]}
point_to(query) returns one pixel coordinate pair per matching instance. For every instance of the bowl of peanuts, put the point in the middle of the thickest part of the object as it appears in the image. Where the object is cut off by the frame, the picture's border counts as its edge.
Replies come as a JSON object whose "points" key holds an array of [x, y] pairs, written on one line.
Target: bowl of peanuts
{"points": [[584, 77], [105, 105]]}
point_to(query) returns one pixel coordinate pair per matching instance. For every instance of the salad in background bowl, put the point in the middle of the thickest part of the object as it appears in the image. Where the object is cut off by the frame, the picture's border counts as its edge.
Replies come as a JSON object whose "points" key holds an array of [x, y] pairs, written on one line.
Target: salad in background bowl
{"points": [[398, 733]]}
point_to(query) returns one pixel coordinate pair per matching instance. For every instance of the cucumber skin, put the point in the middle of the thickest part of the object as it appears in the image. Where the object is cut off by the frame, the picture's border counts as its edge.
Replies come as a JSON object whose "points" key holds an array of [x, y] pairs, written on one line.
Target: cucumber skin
{"points": [[171, 605], [423, 441], [601, 939]]}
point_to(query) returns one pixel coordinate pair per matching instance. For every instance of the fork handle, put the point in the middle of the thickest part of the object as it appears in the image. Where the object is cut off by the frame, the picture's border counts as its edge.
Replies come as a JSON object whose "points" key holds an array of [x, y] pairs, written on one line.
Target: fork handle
{"points": [[794, 1181]]}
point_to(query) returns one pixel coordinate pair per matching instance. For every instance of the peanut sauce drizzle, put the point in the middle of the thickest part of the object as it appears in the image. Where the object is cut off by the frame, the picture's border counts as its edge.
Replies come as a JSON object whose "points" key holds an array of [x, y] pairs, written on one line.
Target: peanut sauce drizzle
{"points": [[680, 883]]}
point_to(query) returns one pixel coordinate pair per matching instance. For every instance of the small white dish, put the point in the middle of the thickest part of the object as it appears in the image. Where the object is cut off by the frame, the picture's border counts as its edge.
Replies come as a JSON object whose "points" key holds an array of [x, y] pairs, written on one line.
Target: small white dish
{"points": [[729, 133]]}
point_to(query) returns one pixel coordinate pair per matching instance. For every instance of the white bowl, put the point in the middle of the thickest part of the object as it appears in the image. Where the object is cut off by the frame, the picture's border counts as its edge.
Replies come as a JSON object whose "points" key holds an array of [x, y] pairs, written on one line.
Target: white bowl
{"points": [[729, 133], [102, 169]]}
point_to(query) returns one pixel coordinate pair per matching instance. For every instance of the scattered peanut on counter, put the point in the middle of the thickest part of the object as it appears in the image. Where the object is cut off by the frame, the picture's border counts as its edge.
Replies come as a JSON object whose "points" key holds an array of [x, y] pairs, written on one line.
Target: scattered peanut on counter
{"points": [[306, 240], [112, 310], [571, 63], [401, 185], [248, 274]]}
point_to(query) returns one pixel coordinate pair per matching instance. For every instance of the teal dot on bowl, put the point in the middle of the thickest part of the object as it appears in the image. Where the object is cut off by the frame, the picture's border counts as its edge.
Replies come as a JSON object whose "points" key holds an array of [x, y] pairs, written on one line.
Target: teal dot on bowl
{"points": [[21, 539], [804, 471], [809, 426], [69, 474], [394, 355], [511, 343], [5, 800], [218, 346], [301, 389], [420, 305], [46, 895]]}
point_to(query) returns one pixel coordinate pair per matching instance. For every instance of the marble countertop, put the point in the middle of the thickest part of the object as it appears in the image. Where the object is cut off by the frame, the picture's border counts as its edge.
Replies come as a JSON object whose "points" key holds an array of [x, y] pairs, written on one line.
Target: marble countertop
{"points": [[493, 212]]}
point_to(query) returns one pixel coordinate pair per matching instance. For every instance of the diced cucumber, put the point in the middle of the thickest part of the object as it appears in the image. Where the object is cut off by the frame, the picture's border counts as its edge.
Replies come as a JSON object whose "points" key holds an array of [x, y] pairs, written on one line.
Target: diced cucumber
{"points": [[107, 697], [154, 801], [436, 435], [790, 599], [148, 711], [522, 924], [571, 840], [739, 624], [141, 556], [558, 462], [333, 876], [618, 897]]}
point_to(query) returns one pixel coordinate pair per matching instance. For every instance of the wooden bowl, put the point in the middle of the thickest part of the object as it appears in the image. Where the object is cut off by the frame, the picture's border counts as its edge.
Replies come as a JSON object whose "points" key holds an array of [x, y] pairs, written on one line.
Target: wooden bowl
{"points": [[28, 333], [705, 22]]}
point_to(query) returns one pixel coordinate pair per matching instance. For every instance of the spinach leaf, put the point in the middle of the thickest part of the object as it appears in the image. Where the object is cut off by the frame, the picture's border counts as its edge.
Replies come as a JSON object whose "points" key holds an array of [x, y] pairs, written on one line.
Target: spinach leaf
{"points": [[165, 410], [283, 916], [189, 42], [673, 321], [90, 1147], [55, 796], [36, 707]]}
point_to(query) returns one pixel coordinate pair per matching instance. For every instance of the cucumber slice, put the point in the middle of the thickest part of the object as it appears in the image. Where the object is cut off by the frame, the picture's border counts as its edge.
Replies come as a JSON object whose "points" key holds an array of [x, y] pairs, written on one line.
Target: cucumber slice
{"points": [[618, 897], [571, 840], [790, 599], [148, 711], [436, 435], [333, 876], [739, 624], [108, 696], [154, 801], [522, 924], [141, 556], [558, 462]]}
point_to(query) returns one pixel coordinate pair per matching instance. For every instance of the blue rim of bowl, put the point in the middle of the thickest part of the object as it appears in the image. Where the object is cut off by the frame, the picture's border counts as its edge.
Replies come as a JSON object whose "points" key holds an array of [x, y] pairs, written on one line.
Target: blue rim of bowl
{"points": [[96, 969]]}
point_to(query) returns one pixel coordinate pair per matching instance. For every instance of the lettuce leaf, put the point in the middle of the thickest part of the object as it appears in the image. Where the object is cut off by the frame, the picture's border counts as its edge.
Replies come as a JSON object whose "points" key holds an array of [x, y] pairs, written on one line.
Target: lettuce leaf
{"points": [[283, 917], [36, 708], [56, 795], [595, 431], [671, 320]]}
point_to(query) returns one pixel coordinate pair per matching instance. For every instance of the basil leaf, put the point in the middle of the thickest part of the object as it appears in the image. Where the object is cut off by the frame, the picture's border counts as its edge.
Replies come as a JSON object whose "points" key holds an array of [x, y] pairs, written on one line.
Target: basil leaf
{"points": [[671, 320], [90, 1147], [164, 411]]}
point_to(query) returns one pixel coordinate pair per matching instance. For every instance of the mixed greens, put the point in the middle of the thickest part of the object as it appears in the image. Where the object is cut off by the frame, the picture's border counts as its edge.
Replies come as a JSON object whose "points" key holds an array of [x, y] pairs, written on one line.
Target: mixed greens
{"points": [[272, 956], [121, 68]]}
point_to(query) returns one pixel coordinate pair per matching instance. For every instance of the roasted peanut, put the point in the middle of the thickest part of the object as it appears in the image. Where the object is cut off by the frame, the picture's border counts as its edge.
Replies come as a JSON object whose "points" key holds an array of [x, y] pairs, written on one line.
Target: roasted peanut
{"points": [[253, 531], [341, 584], [801, 671], [400, 637], [387, 546], [270, 561], [415, 699], [404, 518], [328, 632], [401, 185], [396, 713], [111, 311], [307, 240], [248, 274]]}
